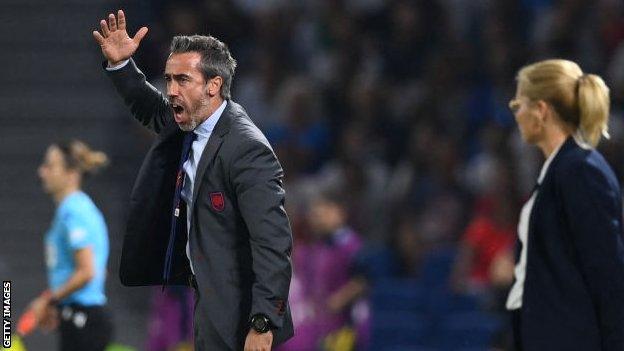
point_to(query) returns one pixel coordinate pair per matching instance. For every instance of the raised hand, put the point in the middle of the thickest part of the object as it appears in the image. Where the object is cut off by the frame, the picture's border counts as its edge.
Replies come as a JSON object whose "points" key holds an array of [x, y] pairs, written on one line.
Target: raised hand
{"points": [[113, 38]]}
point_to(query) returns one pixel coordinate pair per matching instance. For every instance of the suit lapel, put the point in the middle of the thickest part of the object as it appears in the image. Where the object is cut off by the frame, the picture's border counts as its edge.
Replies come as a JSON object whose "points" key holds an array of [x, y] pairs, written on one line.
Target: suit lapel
{"points": [[567, 146], [214, 142]]}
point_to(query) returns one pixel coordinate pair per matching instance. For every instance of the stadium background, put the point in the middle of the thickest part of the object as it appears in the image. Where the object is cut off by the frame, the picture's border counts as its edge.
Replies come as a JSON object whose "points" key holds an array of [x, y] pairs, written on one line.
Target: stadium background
{"points": [[401, 104]]}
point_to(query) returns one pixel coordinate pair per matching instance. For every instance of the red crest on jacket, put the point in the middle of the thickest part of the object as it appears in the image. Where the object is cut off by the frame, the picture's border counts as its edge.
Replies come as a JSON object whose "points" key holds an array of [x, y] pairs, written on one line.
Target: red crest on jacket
{"points": [[218, 201]]}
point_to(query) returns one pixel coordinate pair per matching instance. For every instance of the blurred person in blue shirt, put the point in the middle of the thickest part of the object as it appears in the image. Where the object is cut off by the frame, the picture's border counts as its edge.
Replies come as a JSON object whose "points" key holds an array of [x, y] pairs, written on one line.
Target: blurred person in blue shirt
{"points": [[76, 251]]}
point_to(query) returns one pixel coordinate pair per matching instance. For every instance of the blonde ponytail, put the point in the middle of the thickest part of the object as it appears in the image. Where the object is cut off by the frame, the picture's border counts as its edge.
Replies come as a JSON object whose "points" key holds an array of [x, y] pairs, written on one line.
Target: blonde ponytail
{"points": [[580, 100], [81, 157], [593, 102]]}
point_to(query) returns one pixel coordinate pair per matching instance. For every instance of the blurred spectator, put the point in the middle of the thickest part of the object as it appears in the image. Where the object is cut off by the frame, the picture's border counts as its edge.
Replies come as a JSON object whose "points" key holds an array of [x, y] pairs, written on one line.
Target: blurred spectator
{"points": [[489, 235], [299, 133], [325, 286], [170, 324], [402, 255], [403, 106], [362, 178]]}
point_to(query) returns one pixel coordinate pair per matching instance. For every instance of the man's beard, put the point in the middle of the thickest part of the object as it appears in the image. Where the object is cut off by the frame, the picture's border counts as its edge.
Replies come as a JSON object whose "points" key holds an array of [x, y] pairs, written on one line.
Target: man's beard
{"points": [[195, 116], [190, 125]]}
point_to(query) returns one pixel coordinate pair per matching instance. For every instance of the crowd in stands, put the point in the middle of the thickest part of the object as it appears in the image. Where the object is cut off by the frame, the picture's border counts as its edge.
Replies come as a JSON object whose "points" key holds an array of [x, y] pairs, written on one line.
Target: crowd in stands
{"points": [[404, 170]]}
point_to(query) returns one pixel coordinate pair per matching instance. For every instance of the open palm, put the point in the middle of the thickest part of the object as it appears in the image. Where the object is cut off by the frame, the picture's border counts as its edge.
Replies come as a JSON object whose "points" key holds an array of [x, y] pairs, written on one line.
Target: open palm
{"points": [[113, 38]]}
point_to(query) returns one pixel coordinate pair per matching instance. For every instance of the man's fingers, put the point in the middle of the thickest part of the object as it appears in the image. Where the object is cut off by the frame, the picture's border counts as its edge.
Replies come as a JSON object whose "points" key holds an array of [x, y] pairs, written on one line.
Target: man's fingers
{"points": [[98, 37], [112, 22], [121, 20], [104, 27], [140, 35]]}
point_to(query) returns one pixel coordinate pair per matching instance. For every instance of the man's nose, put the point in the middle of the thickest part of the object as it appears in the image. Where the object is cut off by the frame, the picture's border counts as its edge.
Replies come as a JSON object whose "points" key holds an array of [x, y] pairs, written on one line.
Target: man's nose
{"points": [[172, 89]]}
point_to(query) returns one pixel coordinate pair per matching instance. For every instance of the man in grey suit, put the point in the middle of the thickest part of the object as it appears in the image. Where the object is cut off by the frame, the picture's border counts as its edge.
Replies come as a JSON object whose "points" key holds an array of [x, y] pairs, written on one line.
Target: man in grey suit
{"points": [[207, 208]]}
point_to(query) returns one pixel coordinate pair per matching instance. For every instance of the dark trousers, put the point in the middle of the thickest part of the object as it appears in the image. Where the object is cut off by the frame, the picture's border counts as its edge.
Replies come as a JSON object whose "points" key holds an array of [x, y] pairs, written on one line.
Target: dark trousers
{"points": [[515, 323], [84, 328], [206, 336]]}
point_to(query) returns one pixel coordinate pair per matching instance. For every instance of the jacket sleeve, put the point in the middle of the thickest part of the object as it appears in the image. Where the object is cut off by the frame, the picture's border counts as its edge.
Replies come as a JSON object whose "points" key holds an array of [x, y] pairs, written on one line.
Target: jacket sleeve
{"points": [[146, 103], [256, 176], [592, 205]]}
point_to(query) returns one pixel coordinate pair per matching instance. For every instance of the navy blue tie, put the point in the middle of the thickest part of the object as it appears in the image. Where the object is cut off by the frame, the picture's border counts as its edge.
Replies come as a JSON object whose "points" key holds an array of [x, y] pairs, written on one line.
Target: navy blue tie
{"points": [[186, 151]]}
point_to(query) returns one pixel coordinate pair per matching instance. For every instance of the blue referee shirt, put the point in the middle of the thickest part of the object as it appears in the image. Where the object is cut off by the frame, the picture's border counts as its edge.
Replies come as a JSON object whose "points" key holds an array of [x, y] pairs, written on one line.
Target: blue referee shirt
{"points": [[77, 224]]}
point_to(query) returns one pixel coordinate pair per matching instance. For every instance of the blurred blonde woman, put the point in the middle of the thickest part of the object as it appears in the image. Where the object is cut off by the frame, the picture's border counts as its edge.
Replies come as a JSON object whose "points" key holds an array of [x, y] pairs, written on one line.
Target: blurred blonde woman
{"points": [[76, 251], [568, 292]]}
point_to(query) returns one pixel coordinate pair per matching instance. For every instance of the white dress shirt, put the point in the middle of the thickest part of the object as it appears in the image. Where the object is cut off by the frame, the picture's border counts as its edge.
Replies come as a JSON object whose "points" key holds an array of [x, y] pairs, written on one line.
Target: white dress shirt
{"points": [[120, 65], [203, 132], [514, 300]]}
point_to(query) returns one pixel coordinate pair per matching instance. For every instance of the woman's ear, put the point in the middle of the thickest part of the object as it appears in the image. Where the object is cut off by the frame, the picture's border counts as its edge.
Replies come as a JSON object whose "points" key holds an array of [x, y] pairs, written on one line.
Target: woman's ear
{"points": [[543, 109], [74, 175]]}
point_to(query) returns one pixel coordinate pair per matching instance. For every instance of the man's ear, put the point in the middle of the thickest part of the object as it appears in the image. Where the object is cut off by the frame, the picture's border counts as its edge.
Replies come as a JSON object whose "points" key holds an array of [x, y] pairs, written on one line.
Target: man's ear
{"points": [[214, 86]]}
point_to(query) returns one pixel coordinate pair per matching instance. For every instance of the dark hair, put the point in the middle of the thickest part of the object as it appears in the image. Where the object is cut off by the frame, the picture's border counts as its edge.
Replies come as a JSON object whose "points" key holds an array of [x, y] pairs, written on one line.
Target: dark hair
{"points": [[216, 59]]}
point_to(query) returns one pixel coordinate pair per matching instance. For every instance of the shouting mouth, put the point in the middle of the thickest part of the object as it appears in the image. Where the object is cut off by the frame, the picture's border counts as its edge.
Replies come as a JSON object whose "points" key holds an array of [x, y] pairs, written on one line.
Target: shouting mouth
{"points": [[177, 112]]}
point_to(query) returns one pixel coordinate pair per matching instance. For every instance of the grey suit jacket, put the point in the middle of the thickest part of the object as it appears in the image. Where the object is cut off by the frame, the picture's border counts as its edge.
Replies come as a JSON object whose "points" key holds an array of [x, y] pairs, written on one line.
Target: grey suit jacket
{"points": [[240, 237]]}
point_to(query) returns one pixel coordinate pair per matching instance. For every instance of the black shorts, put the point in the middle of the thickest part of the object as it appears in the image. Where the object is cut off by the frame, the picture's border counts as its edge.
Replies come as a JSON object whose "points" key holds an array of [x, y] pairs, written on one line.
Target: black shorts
{"points": [[84, 328]]}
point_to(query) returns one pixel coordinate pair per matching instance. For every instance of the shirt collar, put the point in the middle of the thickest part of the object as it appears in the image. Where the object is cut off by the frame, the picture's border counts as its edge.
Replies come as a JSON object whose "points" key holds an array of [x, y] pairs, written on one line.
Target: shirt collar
{"points": [[547, 163], [206, 127]]}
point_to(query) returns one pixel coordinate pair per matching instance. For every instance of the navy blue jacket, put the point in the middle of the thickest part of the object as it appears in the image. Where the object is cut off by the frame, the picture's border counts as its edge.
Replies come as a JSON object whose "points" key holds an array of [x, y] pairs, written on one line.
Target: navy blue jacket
{"points": [[574, 289]]}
